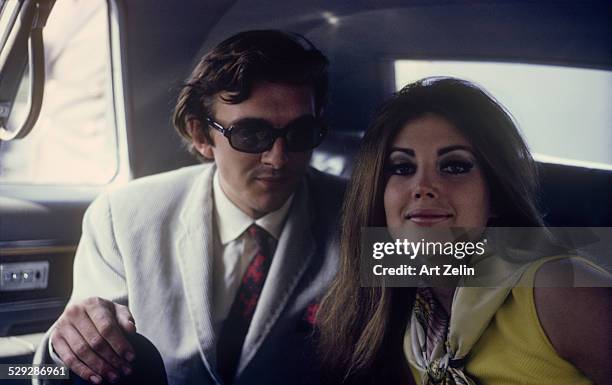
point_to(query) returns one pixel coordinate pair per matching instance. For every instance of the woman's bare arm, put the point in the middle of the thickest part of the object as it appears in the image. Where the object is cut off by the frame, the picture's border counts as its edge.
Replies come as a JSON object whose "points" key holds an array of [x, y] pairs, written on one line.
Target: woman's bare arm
{"points": [[578, 320]]}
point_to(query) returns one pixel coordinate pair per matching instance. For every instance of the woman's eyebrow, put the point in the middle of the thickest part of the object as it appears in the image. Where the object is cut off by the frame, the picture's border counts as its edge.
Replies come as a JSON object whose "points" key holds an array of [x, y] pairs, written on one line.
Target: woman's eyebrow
{"points": [[407, 151], [448, 149]]}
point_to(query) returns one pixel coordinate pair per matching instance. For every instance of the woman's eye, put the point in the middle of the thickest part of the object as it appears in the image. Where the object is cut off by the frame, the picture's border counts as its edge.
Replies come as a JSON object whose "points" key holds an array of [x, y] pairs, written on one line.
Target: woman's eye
{"points": [[456, 167], [401, 169]]}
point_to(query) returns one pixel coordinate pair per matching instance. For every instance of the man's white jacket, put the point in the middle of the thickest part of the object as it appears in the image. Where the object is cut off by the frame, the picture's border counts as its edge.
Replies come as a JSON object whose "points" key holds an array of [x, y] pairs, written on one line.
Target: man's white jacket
{"points": [[149, 244]]}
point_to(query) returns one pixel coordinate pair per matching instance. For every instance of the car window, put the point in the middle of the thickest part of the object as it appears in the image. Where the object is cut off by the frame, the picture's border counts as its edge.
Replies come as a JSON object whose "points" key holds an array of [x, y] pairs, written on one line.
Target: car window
{"points": [[8, 14], [74, 140], [563, 112]]}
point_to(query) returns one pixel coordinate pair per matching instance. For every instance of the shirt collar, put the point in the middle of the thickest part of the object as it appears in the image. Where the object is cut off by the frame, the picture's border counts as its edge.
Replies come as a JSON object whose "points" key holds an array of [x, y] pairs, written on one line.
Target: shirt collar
{"points": [[232, 222]]}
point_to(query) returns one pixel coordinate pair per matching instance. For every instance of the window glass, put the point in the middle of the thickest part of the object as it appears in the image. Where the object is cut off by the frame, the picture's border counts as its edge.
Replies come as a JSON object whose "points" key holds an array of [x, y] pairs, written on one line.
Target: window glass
{"points": [[74, 140], [564, 113], [9, 11]]}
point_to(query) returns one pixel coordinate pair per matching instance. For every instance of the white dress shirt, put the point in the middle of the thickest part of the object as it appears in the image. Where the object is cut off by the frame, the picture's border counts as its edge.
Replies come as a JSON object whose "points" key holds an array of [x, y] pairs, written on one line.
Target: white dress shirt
{"points": [[233, 251]]}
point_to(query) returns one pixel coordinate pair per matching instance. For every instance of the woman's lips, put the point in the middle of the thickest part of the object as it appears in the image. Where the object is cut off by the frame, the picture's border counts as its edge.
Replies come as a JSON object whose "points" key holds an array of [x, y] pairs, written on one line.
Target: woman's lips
{"points": [[428, 217]]}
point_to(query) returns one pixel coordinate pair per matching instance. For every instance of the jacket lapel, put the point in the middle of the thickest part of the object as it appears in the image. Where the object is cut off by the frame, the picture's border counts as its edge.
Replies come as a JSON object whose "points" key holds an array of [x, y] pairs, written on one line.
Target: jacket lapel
{"points": [[293, 253], [195, 256]]}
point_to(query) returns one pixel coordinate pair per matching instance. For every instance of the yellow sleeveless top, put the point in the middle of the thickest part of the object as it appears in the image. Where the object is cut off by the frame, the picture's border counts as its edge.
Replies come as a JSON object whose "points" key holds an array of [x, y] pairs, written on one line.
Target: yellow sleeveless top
{"points": [[514, 349]]}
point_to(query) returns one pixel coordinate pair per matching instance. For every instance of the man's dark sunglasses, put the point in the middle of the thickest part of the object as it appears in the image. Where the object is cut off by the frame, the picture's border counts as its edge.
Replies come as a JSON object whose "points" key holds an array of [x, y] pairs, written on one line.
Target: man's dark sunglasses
{"points": [[258, 135]]}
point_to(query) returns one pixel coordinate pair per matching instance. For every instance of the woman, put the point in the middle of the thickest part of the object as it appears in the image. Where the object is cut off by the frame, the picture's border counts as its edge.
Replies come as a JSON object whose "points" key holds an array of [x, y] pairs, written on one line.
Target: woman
{"points": [[441, 153]]}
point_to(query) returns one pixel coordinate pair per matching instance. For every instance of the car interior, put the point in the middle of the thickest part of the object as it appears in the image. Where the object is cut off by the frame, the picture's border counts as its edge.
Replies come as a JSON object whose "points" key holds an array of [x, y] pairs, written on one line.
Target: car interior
{"points": [[148, 47]]}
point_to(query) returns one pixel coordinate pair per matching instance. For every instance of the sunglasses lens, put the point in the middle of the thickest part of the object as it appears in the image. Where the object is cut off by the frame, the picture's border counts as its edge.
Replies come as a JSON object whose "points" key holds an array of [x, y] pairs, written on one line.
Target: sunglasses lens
{"points": [[305, 134], [253, 137], [256, 136]]}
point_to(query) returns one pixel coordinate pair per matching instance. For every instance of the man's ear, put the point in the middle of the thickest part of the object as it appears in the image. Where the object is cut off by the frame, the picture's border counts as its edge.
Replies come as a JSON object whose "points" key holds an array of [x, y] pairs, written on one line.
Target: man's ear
{"points": [[199, 140]]}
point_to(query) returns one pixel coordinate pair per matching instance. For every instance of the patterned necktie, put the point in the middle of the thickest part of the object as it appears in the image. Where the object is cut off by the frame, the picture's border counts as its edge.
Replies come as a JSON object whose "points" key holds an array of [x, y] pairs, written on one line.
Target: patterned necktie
{"points": [[236, 325]]}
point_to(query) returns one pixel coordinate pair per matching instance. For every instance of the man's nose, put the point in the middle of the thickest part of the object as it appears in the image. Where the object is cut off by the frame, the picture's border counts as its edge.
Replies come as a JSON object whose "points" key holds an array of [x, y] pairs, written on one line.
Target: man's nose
{"points": [[424, 187], [277, 156]]}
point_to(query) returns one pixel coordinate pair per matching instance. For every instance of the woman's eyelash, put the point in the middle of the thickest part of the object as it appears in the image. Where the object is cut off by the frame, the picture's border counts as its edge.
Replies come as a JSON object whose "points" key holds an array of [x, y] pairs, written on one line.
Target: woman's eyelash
{"points": [[401, 169], [456, 166], [452, 167]]}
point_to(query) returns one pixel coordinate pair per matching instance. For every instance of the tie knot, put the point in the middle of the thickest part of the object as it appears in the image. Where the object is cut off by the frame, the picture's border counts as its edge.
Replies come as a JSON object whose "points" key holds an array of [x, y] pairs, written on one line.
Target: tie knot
{"points": [[262, 238]]}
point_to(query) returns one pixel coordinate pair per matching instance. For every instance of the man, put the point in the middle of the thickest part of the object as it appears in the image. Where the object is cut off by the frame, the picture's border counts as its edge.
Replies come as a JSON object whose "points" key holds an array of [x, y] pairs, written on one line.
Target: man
{"points": [[219, 265]]}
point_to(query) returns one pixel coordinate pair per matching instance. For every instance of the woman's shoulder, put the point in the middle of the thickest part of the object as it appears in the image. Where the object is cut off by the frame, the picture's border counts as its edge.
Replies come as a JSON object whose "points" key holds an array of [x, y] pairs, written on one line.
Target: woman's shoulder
{"points": [[569, 271]]}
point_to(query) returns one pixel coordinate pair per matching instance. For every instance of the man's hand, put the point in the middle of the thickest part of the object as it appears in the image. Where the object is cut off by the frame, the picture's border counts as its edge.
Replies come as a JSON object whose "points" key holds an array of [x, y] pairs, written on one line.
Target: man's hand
{"points": [[89, 338]]}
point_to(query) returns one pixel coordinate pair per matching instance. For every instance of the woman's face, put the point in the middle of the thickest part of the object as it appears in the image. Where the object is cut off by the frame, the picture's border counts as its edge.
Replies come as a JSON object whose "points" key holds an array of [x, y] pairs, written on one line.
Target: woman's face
{"points": [[434, 178]]}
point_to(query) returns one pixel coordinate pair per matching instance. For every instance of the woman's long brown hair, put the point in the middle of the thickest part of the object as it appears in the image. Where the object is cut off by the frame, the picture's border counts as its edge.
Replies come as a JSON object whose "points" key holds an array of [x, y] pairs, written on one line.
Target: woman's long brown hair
{"points": [[361, 328]]}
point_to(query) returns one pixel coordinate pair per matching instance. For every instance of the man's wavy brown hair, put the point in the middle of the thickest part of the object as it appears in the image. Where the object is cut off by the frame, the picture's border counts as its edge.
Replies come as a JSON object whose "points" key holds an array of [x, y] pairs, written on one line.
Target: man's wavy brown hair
{"points": [[235, 64]]}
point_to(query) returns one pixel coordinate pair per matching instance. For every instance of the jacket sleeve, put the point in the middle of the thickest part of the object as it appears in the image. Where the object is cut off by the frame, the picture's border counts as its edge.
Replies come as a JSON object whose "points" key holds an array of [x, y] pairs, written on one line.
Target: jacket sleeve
{"points": [[98, 270]]}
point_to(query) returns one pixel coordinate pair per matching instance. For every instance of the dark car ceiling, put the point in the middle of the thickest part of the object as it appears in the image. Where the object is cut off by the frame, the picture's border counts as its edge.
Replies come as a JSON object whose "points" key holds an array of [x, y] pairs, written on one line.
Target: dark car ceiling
{"points": [[564, 33], [164, 38]]}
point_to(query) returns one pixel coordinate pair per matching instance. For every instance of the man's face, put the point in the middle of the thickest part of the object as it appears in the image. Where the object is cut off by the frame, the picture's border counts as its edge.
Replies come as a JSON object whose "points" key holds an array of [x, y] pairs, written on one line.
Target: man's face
{"points": [[259, 183]]}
